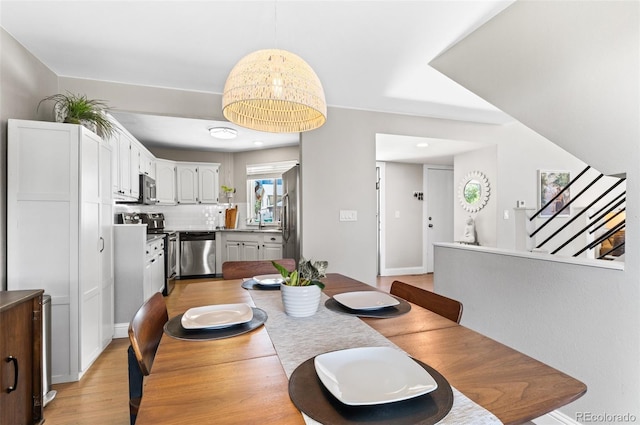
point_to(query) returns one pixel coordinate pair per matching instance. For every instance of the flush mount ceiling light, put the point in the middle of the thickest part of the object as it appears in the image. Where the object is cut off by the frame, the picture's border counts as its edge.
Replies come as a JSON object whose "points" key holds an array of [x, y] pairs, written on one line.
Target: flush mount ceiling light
{"points": [[276, 91], [422, 145], [223, 132]]}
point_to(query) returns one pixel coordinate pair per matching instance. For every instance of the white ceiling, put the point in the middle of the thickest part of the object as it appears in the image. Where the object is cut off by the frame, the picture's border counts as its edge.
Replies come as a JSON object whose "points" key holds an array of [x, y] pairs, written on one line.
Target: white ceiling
{"points": [[370, 55]]}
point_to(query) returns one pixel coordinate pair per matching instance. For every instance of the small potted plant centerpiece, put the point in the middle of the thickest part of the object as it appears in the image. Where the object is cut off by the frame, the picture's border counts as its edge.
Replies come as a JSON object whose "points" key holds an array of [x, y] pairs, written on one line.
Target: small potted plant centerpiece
{"points": [[77, 109], [301, 290]]}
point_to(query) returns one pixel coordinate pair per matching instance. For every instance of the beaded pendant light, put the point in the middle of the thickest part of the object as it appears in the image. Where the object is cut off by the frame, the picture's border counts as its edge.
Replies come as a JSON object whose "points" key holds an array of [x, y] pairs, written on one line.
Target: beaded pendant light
{"points": [[276, 91]]}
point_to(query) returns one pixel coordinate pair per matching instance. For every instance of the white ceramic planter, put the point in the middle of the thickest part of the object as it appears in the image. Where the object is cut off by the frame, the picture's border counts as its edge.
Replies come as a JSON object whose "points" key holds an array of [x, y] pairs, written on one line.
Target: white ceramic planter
{"points": [[300, 301]]}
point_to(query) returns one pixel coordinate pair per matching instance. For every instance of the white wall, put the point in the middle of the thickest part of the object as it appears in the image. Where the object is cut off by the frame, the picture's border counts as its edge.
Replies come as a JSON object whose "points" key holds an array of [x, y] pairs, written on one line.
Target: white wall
{"points": [[485, 161], [567, 69], [579, 319]]}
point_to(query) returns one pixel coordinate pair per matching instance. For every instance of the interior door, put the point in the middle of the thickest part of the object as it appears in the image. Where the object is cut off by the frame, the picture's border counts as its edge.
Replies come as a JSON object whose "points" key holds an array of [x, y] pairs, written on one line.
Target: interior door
{"points": [[439, 209]]}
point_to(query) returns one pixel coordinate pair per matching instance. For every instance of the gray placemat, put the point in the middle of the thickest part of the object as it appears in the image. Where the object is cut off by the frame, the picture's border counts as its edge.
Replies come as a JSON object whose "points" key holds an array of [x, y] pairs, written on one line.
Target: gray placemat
{"points": [[311, 397], [299, 339], [174, 328]]}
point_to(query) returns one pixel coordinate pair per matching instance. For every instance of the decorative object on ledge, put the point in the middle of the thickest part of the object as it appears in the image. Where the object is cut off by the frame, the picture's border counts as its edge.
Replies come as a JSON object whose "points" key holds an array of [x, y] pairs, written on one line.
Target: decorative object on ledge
{"points": [[276, 91], [474, 191], [469, 236], [77, 109], [551, 185]]}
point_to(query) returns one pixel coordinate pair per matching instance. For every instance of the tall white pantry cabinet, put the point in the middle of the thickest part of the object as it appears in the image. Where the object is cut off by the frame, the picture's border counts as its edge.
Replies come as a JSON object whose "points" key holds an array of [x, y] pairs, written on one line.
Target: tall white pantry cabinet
{"points": [[60, 235]]}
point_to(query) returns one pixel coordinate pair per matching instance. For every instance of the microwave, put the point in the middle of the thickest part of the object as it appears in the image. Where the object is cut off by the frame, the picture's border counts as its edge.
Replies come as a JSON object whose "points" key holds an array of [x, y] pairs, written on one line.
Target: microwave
{"points": [[147, 190]]}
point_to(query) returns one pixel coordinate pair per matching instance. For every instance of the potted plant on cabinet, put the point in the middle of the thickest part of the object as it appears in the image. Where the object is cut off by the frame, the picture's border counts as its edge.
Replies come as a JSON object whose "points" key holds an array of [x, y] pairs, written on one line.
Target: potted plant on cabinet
{"points": [[301, 290], [77, 109], [228, 192]]}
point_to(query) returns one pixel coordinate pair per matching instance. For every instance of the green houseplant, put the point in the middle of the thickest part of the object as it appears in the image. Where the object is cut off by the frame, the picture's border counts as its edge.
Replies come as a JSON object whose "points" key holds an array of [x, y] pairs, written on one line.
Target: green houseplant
{"points": [[307, 273], [77, 109], [302, 290]]}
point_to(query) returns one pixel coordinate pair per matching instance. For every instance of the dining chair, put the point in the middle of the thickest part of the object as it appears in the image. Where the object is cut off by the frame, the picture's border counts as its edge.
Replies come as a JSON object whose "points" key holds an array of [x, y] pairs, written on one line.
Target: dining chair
{"points": [[439, 304], [145, 331], [240, 269]]}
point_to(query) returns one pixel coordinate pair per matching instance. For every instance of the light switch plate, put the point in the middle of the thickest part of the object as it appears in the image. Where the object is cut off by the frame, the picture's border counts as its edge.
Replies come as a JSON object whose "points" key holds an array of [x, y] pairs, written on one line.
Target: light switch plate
{"points": [[348, 215]]}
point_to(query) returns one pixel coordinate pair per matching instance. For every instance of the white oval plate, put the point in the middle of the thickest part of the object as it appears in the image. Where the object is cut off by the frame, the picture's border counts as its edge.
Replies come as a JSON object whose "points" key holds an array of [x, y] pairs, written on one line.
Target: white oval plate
{"points": [[366, 300], [269, 279], [216, 316], [372, 375]]}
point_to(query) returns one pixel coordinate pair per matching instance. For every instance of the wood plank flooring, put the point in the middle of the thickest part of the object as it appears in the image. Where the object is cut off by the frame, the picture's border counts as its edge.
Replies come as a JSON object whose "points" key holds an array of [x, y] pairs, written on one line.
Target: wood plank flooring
{"points": [[101, 397]]}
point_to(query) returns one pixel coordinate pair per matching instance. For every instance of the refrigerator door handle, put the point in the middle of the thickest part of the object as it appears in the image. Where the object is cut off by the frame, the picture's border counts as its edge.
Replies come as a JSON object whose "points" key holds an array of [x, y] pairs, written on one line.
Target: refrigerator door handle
{"points": [[286, 231]]}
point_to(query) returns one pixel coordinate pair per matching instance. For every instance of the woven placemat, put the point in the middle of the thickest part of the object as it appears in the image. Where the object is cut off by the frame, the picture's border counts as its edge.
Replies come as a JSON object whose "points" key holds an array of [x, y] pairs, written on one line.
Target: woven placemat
{"points": [[174, 328], [311, 397], [393, 311]]}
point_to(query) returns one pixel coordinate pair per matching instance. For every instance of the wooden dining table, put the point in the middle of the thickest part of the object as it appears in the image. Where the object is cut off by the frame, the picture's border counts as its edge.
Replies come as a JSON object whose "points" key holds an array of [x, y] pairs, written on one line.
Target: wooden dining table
{"points": [[241, 380]]}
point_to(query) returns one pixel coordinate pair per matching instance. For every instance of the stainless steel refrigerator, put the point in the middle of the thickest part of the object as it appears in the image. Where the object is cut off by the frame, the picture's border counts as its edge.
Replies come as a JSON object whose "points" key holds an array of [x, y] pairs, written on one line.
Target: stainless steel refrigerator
{"points": [[291, 214]]}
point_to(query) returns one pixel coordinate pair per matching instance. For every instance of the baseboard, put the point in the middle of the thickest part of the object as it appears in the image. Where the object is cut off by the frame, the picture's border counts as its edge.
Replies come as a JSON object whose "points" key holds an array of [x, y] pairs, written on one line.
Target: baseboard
{"points": [[555, 418], [121, 330], [402, 271]]}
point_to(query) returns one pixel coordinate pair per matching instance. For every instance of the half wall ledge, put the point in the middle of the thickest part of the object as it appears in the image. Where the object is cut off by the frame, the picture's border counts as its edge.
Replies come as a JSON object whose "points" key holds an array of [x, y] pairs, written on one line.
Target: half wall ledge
{"points": [[601, 264]]}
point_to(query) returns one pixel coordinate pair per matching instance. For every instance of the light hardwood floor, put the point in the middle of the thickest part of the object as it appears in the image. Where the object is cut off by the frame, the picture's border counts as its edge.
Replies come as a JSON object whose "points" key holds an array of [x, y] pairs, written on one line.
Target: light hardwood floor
{"points": [[101, 397]]}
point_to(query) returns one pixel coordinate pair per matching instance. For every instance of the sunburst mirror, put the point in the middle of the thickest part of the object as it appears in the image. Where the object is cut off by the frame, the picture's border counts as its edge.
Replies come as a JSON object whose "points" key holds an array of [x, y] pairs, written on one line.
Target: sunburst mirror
{"points": [[474, 191]]}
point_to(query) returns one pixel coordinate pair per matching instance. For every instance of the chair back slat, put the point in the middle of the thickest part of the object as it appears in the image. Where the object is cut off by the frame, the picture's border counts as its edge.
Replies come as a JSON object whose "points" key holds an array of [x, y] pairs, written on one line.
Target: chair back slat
{"points": [[145, 330], [242, 269], [439, 304]]}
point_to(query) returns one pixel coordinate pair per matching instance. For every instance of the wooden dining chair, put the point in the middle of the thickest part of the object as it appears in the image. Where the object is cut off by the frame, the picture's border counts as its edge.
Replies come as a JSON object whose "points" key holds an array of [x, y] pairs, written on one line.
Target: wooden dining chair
{"points": [[240, 269], [145, 331], [439, 304]]}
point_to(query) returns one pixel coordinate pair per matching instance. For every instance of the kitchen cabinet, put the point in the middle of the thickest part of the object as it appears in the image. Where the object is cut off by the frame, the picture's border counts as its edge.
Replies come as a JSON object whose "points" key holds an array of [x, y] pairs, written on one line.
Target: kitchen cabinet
{"points": [[139, 271], [197, 183], [249, 246], [146, 163], [59, 211], [21, 357], [166, 182], [131, 160]]}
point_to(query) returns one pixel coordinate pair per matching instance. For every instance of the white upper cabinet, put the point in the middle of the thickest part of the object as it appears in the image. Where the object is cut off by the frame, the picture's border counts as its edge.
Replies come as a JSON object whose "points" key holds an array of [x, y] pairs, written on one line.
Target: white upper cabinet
{"points": [[165, 182], [197, 183], [187, 178], [208, 183]]}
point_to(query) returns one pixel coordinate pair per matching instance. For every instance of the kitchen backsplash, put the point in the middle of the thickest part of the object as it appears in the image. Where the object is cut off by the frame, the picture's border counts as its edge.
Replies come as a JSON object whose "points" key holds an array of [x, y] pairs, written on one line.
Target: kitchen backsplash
{"points": [[186, 216]]}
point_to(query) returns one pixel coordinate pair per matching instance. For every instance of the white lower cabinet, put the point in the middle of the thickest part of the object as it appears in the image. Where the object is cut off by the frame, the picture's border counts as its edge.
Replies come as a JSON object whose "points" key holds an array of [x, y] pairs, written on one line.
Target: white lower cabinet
{"points": [[59, 234], [139, 271], [251, 245]]}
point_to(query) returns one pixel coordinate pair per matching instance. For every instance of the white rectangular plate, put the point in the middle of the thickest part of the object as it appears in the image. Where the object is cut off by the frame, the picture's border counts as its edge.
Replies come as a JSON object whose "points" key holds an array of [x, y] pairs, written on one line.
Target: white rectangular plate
{"points": [[372, 375], [216, 316], [269, 279], [366, 300]]}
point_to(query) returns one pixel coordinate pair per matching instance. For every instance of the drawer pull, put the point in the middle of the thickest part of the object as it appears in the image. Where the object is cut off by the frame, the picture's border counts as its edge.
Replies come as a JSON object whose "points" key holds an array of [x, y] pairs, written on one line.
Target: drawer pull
{"points": [[15, 375]]}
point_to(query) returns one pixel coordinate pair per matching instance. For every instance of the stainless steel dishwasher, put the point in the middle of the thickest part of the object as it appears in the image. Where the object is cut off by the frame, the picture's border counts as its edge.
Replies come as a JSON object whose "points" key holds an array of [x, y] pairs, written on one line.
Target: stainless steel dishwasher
{"points": [[197, 254]]}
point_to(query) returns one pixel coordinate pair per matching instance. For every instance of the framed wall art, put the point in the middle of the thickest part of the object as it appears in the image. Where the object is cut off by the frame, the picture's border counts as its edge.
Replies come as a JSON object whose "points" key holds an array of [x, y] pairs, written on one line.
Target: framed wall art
{"points": [[550, 184]]}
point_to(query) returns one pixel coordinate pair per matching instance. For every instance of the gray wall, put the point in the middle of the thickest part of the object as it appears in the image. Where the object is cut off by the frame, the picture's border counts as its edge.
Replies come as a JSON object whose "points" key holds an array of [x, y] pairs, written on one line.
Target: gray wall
{"points": [[24, 81], [579, 319]]}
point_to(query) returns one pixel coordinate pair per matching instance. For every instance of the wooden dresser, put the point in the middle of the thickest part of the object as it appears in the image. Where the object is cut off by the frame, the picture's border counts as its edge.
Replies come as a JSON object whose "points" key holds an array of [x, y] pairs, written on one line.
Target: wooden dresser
{"points": [[21, 357]]}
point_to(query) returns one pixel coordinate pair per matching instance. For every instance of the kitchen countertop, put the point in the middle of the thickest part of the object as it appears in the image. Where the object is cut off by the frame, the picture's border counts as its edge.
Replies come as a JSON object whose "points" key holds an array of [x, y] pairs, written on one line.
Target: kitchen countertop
{"points": [[213, 229]]}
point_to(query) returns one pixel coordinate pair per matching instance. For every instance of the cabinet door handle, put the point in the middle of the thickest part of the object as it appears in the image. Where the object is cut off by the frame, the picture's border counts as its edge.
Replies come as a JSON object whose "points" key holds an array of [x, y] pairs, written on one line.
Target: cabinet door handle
{"points": [[102, 240], [15, 375]]}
